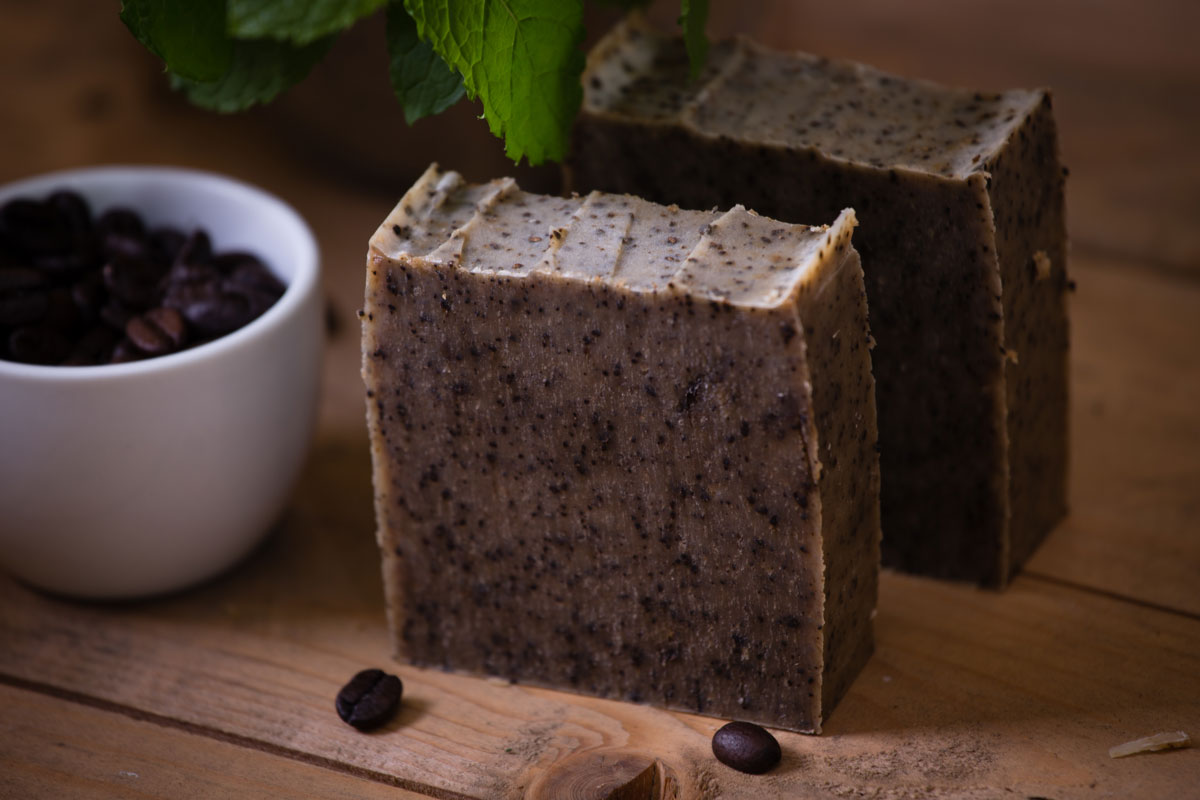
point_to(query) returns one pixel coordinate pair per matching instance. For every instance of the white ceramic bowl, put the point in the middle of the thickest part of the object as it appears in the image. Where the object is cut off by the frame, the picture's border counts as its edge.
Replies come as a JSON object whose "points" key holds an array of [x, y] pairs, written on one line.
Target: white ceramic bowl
{"points": [[133, 479]]}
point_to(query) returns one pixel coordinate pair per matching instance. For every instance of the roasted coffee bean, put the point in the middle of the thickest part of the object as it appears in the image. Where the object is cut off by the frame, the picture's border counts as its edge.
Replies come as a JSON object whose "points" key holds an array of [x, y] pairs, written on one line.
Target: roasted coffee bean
{"points": [[226, 263], [133, 281], [166, 244], [9, 254], [121, 232], [183, 272], [257, 300], [369, 699], [89, 295], [208, 307], [122, 221], [74, 211], [38, 344], [157, 332], [181, 294], [115, 315], [246, 270], [236, 309], [196, 249], [76, 216], [71, 261], [746, 747], [20, 278], [109, 289], [125, 351], [61, 312], [94, 347], [115, 246], [23, 306], [33, 228]]}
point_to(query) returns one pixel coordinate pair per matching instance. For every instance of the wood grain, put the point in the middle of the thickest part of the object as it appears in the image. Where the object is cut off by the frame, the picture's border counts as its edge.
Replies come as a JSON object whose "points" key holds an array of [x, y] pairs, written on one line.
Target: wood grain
{"points": [[52, 748], [1134, 524], [970, 693], [599, 776]]}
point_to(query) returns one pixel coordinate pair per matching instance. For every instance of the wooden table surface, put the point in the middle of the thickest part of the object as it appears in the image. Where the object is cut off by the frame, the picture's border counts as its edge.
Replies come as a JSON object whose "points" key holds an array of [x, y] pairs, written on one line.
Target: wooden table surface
{"points": [[226, 690]]}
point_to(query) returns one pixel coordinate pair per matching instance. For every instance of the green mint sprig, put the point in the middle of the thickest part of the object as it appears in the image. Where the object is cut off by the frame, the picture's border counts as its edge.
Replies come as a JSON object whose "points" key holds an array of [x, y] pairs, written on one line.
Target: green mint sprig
{"points": [[520, 58]]}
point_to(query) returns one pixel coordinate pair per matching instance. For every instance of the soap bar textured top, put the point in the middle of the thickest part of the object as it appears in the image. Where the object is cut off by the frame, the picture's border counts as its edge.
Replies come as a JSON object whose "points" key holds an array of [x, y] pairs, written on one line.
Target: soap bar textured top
{"points": [[849, 111], [960, 199], [624, 449]]}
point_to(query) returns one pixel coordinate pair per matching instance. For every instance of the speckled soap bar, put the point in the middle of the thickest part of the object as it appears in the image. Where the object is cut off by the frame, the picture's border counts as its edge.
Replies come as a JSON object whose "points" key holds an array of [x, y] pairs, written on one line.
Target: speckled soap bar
{"points": [[960, 199], [624, 449]]}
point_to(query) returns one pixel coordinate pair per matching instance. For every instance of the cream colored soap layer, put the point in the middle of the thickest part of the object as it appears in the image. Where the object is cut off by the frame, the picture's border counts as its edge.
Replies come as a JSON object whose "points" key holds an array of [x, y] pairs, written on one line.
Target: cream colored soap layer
{"points": [[601, 476], [735, 256], [849, 111]]}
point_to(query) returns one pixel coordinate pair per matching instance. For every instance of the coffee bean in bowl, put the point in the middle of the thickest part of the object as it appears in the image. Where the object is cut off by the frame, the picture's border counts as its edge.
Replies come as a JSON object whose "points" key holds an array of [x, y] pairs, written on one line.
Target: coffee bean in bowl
{"points": [[125, 475], [77, 290]]}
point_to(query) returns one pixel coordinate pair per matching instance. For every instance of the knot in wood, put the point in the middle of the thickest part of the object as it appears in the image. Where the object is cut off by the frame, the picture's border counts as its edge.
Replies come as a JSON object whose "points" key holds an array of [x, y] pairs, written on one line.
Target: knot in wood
{"points": [[605, 775]]}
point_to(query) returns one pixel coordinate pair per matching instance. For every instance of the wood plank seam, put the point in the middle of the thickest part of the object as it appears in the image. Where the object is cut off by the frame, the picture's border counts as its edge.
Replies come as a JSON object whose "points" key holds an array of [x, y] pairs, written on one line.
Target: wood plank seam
{"points": [[229, 738], [1086, 589], [1188, 273], [958, 765]]}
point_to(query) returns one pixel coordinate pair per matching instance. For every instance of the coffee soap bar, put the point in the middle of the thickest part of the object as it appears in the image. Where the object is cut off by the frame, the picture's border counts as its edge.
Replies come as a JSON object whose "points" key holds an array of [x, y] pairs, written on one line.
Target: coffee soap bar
{"points": [[960, 198], [624, 449]]}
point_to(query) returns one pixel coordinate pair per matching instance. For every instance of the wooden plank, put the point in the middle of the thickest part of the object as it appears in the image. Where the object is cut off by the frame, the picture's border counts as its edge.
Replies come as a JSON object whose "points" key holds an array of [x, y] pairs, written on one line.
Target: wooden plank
{"points": [[970, 693], [1134, 526], [53, 748]]}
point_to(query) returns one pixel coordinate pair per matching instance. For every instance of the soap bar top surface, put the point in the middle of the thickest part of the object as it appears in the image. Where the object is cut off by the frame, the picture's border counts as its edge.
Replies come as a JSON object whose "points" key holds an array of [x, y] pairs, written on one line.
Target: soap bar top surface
{"points": [[626, 242], [843, 109]]}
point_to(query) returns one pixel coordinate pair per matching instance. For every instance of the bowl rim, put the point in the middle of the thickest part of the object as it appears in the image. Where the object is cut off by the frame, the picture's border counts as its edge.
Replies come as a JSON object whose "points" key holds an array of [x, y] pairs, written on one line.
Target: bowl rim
{"points": [[299, 287]]}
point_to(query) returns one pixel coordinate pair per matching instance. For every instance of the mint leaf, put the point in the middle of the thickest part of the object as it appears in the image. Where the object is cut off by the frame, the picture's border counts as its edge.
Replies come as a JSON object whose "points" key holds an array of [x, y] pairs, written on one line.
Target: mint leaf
{"points": [[258, 71], [296, 21], [521, 58], [627, 5], [189, 37], [423, 83], [693, 17]]}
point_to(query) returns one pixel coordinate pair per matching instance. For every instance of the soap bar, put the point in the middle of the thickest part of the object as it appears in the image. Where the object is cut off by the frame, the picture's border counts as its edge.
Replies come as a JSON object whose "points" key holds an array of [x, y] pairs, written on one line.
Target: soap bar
{"points": [[624, 449], [960, 198]]}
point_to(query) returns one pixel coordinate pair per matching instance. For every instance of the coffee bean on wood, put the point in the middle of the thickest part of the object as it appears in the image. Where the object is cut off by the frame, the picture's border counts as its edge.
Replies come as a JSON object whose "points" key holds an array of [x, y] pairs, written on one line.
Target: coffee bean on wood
{"points": [[369, 699], [746, 747], [78, 290]]}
